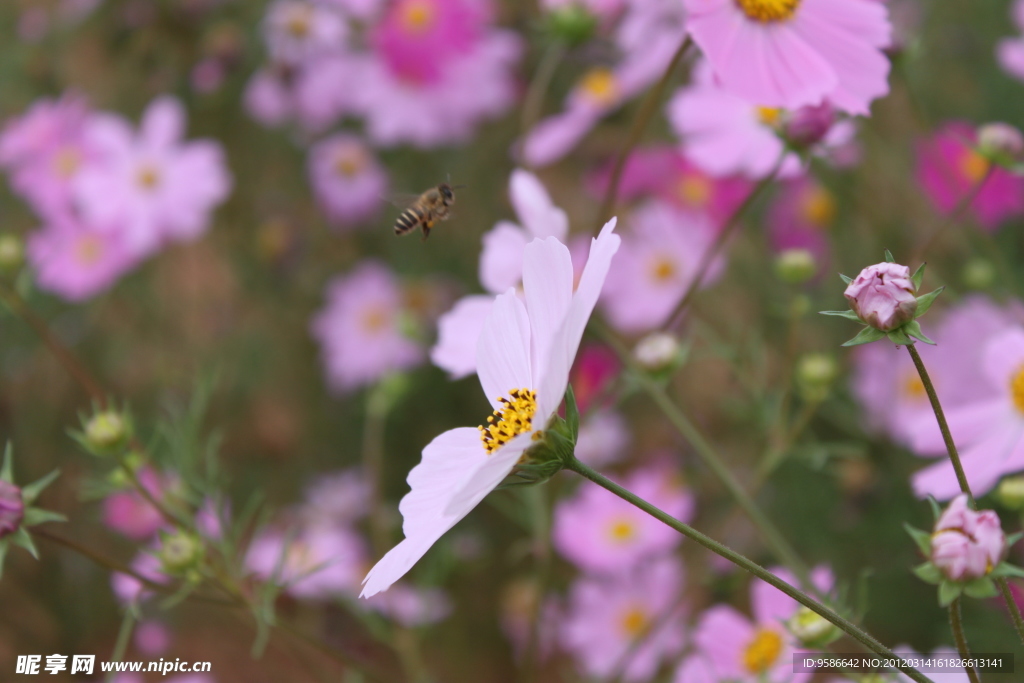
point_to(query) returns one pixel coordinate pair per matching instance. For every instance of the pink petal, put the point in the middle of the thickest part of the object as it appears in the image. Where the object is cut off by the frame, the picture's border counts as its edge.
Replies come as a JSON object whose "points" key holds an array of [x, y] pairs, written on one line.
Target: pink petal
{"points": [[534, 207], [487, 473], [967, 424], [1003, 358], [501, 260], [163, 124], [547, 282], [1001, 452], [457, 333], [503, 351]]}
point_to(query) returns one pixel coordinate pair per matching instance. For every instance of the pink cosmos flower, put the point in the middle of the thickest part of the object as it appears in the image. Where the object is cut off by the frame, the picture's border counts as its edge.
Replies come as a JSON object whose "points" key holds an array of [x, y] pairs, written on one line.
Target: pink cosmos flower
{"points": [[659, 259], [988, 431], [595, 369], [319, 562], [152, 638], [129, 513], [410, 606], [668, 175], [360, 9], [599, 532], [417, 38], [523, 359], [883, 296], [949, 168], [149, 186], [501, 267], [128, 589], [967, 544], [338, 498], [76, 261], [360, 330], [1010, 51], [347, 179], [314, 94], [298, 30], [801, 216], [753, 650], [602, 439], [804, 51], [607, 615]]}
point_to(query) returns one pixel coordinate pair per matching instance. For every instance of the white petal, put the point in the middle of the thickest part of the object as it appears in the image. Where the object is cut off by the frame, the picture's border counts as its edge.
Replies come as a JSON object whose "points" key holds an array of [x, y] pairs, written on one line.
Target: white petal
{"points": [[163, 123], [487, 475], [447, 461], [501, 260], [503, 351], [547, 282], [534, 207], [563, 350], [458, 331]]}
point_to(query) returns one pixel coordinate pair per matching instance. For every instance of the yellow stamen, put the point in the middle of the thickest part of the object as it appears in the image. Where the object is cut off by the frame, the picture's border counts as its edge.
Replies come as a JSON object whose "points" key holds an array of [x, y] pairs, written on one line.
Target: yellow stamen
{"points": [[635, 622], [767, 11], [508, 422], [1017, 390], [973, 166], [662, 269], [695, 190], [762, 651], [818, 206], [148, 177], [600, 86], [67, 162], [769, 116], [299, 21], [349, 162], [913, 388], [417, 16], [89, 250], [622, 530], [374, 319]]}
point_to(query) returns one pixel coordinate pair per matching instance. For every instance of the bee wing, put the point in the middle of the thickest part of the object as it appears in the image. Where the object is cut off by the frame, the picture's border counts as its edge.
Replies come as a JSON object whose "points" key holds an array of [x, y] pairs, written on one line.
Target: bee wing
{"points": [[401, 200]]}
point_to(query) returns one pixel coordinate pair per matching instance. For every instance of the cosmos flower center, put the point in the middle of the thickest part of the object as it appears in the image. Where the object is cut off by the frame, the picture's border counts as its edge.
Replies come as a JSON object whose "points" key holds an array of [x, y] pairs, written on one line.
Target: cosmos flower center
{"points": [[349, 162], [147, 177], [417, 16], [634, 622], [767, 11], [622, 530], [663, 269], [89, 250], [67, 162], [973, 166], [694, 190], [913, 388], [300, 557], [1017, 390], [299, 21], [818, 207], [600, 86], [515, 417], [762, 651], [769, 116], [374, 319]]}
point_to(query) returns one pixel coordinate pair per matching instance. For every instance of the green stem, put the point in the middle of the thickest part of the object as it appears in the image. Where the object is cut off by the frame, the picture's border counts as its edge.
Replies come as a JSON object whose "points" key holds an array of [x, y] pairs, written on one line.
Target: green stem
{"points": [[534, 99], [127, 625], [743, 562], [961, 640], [954, 216], [647, 110], [1018, 621]]}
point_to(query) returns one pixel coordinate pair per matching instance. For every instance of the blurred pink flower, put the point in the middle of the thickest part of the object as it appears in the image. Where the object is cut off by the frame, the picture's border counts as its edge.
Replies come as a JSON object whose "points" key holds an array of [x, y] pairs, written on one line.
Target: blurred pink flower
{"points": [[314, 94], [129, 513], [319, 561], [883, 296], [753, 650], [607, 615], [360, 9], [659, 259], [268, 96], [949, 168], [361, 331], [596, 367], [152, 638], [1010, 51], [663, 172], [150, 186], [410, 606], [76, 261], [801, 216], [128, 589], [337, 498], [12, 508], [988, 431], [524, 355], [347, 179], [602, 439], [599, 532], [298, 30], [967, 544], [805, 51], [417, 38], [457, 332]]}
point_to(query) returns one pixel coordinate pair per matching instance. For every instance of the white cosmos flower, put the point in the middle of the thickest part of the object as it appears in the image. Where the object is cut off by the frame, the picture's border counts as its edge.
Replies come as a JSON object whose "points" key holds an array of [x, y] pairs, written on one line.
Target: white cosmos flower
{"points": [[524, 354]]}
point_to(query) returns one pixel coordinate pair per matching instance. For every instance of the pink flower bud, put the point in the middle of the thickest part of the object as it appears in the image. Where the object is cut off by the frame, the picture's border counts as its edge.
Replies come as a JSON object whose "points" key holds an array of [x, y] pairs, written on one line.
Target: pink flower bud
{"points": [[12, 508], [809, 125], [967, 544], [883, 296]]}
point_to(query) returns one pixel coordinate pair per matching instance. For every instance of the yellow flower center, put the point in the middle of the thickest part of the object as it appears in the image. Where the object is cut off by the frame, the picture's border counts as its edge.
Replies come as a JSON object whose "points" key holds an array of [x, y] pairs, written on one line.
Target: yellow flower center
{"points": [[634, 622], [767, 11], [67, 162], [1017, 390], [663, 269], [300, 557], [374, 319], [299, 21], [515, 417], [973, 166], [622, 531], [762, 651], [350, 162], [913, 388], [694, 190], [417, 16], [148, 177], [600, 86], [89, 250], [769, 116], [818, 206]]}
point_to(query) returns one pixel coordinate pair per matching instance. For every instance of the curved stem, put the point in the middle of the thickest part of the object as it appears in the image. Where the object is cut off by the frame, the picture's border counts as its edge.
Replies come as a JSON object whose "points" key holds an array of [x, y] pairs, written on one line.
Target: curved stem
{"points": [[539, 85], [636, 131], [961, 640], [954, 216], [743, 562]]}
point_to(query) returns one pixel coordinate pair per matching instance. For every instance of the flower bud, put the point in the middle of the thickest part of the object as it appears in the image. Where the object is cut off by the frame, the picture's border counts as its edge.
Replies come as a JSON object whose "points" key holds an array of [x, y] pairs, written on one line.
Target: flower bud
{"points": [[572, 24], [1001, 142], [795, 266], [12, 508], [657, 351], [106, 431], [807, 126], [978, 273], [812, 629], [966, 544], [815, 373], [883, 296], [12, 252], [1011, 492], [180, 552]]}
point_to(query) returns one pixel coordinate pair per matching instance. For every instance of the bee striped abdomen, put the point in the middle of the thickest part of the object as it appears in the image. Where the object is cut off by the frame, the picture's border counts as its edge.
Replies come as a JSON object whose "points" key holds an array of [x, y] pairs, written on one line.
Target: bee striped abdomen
{"points": [[408, 220]]}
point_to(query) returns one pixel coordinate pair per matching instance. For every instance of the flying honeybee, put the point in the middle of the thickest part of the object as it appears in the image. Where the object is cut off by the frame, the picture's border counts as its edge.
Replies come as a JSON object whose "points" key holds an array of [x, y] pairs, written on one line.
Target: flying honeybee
{"points": [[426, 210]]}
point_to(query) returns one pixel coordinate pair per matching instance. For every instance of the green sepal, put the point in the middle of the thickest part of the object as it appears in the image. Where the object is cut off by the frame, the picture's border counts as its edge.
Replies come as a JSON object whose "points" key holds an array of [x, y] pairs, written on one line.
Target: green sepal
{"points": [[922, 539], [888, 257], [928, 573], [848, 314], [918, 277], [936, 508], [4, 545], [7, 469], [34, 516], [1006, 569], [846, 278], [866, 336], [913, 329], [30, 492], [981, 588], [179, 595], [924, 302], [21, 537], [1013, 538], [572, 414], [949, 591], [899, 337]]}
